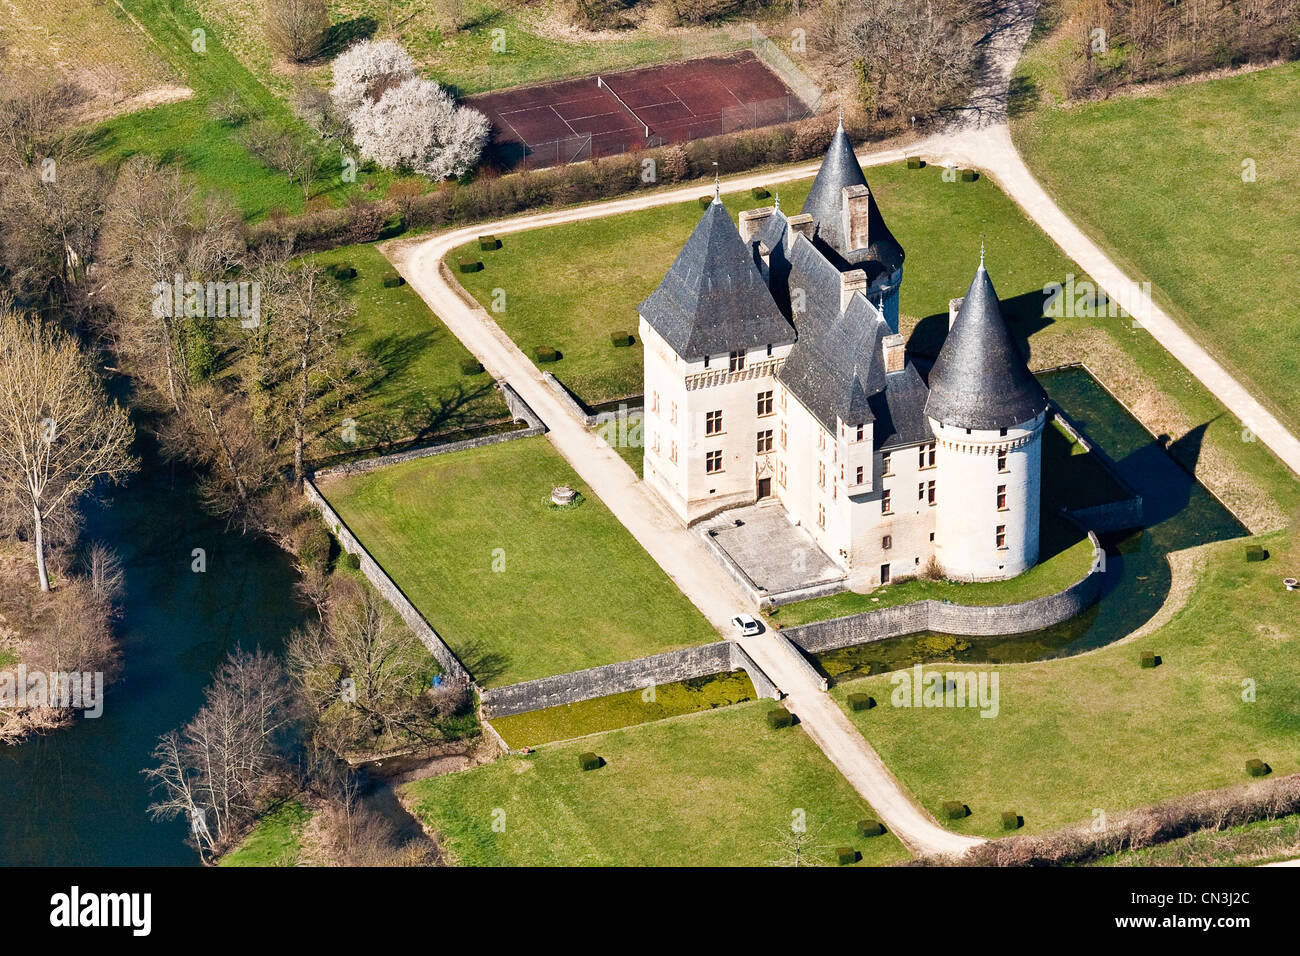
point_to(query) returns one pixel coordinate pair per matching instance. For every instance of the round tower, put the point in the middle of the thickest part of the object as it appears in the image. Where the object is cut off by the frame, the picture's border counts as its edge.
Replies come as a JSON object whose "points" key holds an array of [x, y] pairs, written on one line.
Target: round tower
{"points": [[987, 413]]}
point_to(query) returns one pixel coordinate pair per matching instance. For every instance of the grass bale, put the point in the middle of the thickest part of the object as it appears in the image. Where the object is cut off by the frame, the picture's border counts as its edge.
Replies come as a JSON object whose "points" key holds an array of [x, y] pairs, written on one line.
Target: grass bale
{"points": [[392, 280], [589, 761], [1257, 768], [915, 162], [705, 201], [758, 192], [1256, 553], [779, 717], [1012, 820], [471, 366], [489, 243], [846, 855], [343, 271], [871, 828], [471, 265], [969, 175], [1149, 659], [544, 353], [861, 702], [955, 809], [621, 340]]}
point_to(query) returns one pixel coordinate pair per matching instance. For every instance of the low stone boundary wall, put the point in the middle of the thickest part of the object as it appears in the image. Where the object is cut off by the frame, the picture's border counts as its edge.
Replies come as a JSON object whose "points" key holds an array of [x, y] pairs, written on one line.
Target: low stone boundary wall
{"points": [[568, 401], [961, 619], [811, 672], [385, 585], [518, 408], [624, 676]]}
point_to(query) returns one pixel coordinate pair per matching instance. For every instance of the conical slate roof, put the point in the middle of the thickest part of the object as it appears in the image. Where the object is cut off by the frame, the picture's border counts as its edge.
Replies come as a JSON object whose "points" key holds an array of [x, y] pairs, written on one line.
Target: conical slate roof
{"points": [[840, 168], [713, 299], [980, 379]]}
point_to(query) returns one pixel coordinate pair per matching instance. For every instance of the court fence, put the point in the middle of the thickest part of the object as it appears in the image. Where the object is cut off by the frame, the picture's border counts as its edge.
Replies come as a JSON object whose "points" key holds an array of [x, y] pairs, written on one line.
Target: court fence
{"points": [[780, 63], [574, 149]]}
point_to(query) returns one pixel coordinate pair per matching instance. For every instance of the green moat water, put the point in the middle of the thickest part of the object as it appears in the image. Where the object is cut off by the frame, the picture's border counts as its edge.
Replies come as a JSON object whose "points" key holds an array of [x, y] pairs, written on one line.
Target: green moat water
{"points": [[1179, 513]]}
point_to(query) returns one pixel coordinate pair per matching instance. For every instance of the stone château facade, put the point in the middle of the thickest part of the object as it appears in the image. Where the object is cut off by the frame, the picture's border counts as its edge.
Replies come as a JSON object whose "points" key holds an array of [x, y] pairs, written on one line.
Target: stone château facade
{"points": [[774, 370]]}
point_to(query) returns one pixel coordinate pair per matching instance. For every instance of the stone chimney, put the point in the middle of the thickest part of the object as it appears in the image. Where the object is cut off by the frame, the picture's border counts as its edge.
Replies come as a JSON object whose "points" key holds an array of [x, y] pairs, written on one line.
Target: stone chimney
{"points": [[894, 347], [855, 200], [752, 220], [802, 224], [855, 280], [954, 306]]}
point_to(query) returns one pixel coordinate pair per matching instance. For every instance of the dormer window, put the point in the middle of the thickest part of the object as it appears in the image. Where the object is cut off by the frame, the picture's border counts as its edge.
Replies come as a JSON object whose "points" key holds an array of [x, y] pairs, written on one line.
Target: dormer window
{"points": [[737, 361]]}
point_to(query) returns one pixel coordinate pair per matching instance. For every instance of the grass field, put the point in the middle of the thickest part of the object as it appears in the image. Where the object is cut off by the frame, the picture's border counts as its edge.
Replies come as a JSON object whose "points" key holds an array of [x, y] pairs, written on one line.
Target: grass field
{"points": [[1097, 732], [90, 44], [623, 710], [275, 841], [713, 789], [576, 590], [420, 391], [1192, 188]]}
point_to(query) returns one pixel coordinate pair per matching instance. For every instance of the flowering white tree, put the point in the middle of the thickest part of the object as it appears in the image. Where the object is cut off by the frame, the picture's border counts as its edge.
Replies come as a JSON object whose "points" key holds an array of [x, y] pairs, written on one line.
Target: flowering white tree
{"points": [[416, 125], [365, 70]]}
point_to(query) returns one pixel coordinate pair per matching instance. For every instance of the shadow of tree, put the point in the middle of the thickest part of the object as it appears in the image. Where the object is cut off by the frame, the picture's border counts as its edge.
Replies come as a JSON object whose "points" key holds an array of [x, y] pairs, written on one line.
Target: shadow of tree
{"points": [[346, 32], [484, 665]]}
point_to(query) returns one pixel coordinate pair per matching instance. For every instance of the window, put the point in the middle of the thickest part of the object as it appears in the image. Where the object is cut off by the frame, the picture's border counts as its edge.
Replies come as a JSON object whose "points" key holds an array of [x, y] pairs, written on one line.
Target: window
{"points": [[769, 349], [862, 431], [920, 456], [931, 535], [1002, 497], [929, 492], [1002, 463], [764, 441], [713, 423], [780, 473], [764, 404], [932, 451], [1002, 536], [821, 474], [885, 507], [737, 361], [654, 403], [920, 491], [1002, 432], [821, 516], [859, 476], [712, 462], [887, 542], [783, 400], [885, 464], [925, 456], [783, 434], [706, 361]]}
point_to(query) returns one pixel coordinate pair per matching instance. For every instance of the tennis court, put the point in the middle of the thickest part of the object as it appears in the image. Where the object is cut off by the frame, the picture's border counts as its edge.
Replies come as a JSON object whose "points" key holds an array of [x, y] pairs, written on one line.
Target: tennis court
{"points": [[603, 115]]}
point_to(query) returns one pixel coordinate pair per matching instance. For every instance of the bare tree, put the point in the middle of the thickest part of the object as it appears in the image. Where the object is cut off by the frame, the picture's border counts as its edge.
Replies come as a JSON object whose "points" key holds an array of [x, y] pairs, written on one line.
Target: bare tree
{"points": [[59, 432], [297, 29], [215, 770]]}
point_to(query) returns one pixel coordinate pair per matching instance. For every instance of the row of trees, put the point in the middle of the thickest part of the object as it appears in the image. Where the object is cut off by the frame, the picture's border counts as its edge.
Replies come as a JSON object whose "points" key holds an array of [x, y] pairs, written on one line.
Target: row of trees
{"points": [[1125, 41]]}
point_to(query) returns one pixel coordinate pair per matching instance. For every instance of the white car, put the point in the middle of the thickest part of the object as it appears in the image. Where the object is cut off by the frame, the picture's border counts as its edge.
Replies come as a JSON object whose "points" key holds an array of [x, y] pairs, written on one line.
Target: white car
{"points": [[746, 625]]}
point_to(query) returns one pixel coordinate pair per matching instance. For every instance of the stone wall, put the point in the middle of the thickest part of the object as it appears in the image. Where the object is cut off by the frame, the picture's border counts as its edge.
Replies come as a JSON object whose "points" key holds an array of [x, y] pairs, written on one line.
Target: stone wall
{"points": [[624, 676], [567, 400], [385, 585], [518, 408], [960, 619]]}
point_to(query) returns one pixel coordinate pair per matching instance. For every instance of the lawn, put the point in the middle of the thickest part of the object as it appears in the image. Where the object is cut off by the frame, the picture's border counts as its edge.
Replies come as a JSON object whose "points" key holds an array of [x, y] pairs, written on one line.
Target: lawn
{"points": [[623, 710], [276, 840], [206, 148], [518, 587], [1098, 732], [1186, 185], [420, 391], [712, 789]]}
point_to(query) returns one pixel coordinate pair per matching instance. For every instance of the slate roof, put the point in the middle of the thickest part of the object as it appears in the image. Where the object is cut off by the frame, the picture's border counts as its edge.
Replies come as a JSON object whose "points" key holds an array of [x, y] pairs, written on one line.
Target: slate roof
{"points": [[883, 253], [980, 380], [900, 410], [713, 299]]}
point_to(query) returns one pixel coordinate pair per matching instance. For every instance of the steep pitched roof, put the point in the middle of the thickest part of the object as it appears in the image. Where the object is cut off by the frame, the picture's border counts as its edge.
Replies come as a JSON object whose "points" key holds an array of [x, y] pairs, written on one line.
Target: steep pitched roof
{"points": [[714, 299], [899, 410], [980, 380], [840, 168]]}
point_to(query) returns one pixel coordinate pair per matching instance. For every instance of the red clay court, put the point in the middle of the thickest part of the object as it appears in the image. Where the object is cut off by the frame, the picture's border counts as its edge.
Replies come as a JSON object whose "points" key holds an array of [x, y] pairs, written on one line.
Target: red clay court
{"points": [[599, 116]]}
